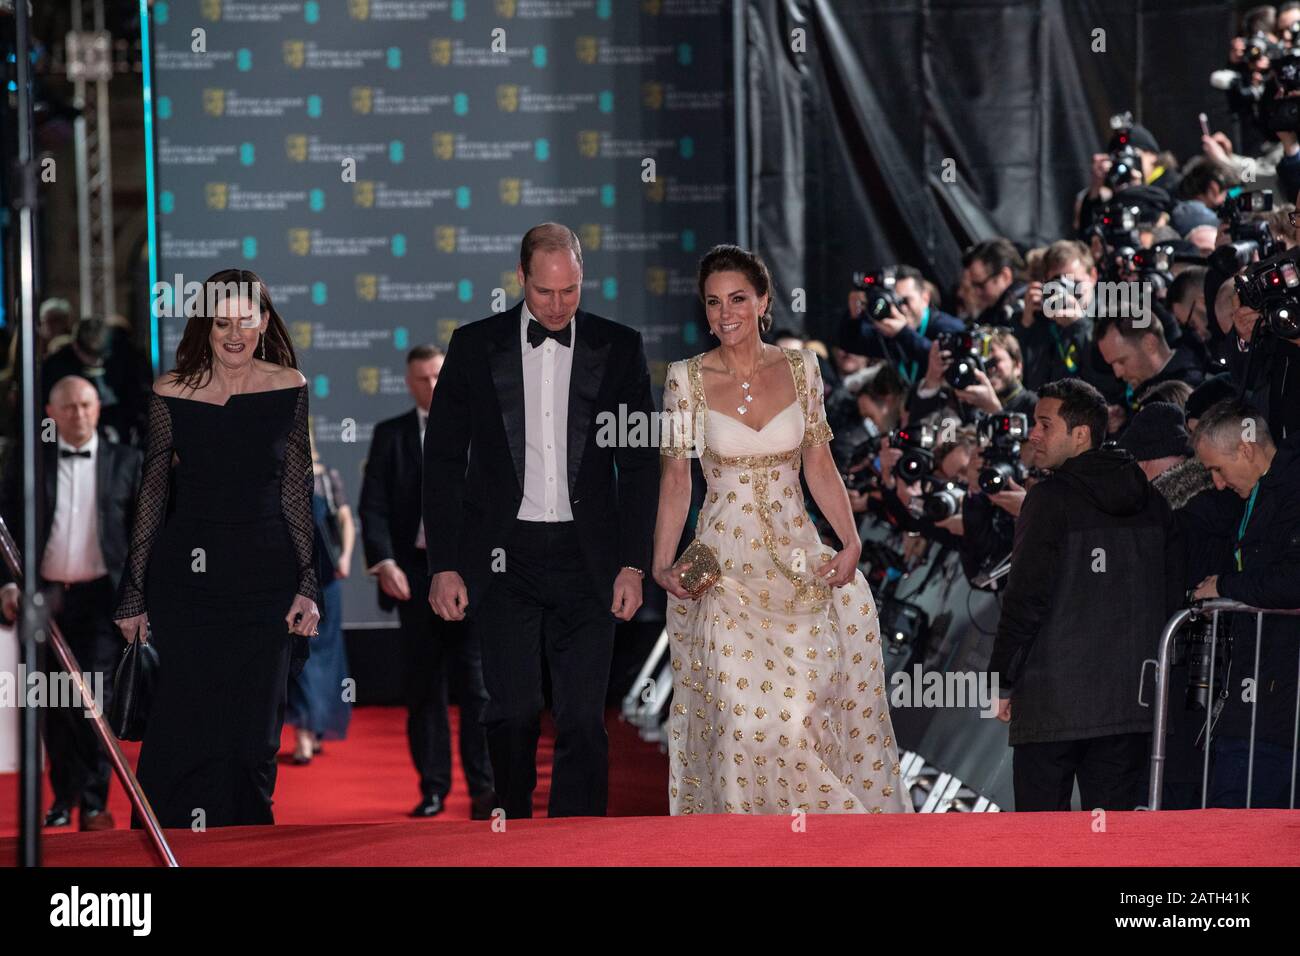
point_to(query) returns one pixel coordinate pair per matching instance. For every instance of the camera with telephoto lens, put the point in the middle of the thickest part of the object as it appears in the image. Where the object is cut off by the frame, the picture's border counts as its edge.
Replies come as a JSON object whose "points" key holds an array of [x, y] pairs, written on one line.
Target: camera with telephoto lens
{"points": [[1248, 237], [862, 479], [1272, 288], [917, 444], [1125, 161], [1195, 651], [939, 499], [879, 289], [967, 350], [1152, 265], [1000, 437]]}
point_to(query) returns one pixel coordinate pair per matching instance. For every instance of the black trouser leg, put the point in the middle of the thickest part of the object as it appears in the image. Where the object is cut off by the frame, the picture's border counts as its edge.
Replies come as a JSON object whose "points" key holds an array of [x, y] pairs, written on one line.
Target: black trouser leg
{"points": [[1043, 775], [79, 766], [428, 733], [1113, 770], [579, 648], [507, 623], [465, 671]]}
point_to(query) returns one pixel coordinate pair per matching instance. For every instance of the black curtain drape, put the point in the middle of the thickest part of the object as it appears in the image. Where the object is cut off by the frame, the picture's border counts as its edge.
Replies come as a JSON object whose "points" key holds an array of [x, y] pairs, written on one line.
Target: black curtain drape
{"points": [[850, 135]]}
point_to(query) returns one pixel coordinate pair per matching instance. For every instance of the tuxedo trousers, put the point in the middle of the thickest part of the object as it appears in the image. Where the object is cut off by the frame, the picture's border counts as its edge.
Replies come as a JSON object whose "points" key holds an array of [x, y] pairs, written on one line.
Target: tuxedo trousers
{"points": [[541, 610]]}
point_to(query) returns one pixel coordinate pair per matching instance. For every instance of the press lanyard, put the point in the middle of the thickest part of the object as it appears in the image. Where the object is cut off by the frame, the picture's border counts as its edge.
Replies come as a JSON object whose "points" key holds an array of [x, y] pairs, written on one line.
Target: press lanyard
{"points": [[909, 373], [1245, 520], [1066, 354]]}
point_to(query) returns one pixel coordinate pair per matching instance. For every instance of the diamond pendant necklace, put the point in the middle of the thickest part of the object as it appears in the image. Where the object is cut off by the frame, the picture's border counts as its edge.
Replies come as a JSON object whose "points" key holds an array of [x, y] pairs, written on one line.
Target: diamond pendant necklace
{"points": [[744, 385]]}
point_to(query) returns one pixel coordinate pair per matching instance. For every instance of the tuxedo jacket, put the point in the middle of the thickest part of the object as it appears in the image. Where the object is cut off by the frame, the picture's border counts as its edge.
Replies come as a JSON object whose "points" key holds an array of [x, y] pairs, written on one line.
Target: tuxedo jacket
{"points": [[474, 451], [117, 483], [390, 499]]}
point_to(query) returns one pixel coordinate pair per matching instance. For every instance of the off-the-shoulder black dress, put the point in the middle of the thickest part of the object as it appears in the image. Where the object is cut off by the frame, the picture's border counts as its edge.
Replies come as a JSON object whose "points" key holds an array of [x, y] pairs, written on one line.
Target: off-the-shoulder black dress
{"points": [[222, 542]]}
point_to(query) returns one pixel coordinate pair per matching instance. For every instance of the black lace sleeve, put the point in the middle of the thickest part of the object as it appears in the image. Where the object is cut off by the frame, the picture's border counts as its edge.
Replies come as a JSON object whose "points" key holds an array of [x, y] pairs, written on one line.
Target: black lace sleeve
{"points": [[296, 485], [150, 508]]}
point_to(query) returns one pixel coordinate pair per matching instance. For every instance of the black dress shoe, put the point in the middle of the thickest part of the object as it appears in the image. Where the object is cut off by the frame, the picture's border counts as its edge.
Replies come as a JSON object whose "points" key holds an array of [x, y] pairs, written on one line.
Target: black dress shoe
{"points": [[59, 816], [481, 807], [428, 807]]}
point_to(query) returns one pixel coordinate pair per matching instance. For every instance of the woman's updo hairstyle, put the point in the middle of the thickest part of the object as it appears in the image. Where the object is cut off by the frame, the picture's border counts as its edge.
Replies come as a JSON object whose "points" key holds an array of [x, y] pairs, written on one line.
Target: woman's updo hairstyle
{"points": [[729, 258]]}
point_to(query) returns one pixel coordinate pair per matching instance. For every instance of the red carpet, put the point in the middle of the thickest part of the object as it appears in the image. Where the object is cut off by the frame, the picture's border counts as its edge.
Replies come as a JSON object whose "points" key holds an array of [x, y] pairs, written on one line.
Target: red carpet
{"points": [[348, 809]]}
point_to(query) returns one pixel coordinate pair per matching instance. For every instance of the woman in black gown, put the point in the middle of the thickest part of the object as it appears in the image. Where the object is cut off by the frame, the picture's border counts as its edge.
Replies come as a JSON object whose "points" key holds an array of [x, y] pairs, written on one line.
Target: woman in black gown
{"points": [[220, 574]]}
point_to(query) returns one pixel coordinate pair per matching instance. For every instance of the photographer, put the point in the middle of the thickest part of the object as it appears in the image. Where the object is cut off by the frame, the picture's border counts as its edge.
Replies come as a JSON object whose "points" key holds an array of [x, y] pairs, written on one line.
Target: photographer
{"points": [[1234, 442], [1136, 350], [1132, 158], [1263, 348], [1055, 332], [864, 408], [891, 316], [974, 390], [993, 282], [1095, 574]]}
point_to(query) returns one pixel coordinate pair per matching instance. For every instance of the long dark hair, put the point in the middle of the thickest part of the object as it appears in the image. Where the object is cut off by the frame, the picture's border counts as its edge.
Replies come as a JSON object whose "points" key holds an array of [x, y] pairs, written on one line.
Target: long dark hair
{"points": [[194, 353]]}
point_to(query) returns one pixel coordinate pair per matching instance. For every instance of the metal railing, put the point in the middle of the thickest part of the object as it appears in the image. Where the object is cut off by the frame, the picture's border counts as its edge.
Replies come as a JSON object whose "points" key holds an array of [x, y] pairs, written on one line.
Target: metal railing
{"points": [[68, 661], [1214, 608]]}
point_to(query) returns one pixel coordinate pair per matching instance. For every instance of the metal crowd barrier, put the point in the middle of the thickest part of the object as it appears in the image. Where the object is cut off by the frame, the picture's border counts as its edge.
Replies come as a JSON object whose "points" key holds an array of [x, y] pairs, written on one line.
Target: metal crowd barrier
{"points": [[1214, 607], [10, 554]]}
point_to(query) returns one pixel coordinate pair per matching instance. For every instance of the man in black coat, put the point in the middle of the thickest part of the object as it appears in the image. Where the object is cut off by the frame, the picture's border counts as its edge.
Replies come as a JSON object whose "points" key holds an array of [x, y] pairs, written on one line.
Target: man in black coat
{"points": [[1095, 573], [1234, 442], [540, 520], [88, 496], [436, 654]]}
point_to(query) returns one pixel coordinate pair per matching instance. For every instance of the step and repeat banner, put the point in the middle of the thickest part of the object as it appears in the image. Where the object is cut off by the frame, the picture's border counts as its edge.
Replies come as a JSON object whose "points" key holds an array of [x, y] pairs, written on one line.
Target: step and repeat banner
{"points": [[377, 161]]}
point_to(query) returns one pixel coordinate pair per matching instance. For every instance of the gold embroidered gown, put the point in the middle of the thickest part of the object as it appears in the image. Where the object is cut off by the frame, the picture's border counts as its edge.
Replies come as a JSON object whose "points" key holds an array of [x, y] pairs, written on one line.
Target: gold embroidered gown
{"points": [[779, 696]]}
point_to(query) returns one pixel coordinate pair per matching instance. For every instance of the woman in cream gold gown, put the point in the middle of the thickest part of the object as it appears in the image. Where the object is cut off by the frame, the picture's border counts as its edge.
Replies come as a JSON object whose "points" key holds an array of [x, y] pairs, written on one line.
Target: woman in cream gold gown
{"points": [[779, 690]]}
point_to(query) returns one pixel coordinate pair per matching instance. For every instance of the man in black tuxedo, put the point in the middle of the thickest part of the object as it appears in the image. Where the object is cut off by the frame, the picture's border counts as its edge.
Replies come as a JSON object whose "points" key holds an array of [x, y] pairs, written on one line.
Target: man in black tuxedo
{"points": [[88, 503], [433, 651], [543, 533]]}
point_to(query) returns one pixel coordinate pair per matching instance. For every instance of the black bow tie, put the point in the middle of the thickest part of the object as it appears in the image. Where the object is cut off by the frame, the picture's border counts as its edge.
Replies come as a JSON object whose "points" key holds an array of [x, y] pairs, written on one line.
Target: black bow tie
{"points": [[538, 333], [69, 453]]}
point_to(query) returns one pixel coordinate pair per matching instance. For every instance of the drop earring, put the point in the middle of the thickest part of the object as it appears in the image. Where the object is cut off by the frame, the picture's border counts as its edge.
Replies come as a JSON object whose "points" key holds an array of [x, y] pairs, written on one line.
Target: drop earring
{"points": [[263, 344]]}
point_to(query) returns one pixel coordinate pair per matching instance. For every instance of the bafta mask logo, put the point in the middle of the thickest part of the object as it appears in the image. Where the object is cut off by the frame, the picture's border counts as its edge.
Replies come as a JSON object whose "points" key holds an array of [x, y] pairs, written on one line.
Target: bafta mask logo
{"points": [[589, 234], [301, 333], [445, 238], [510, 191], [506, 8], [300, 241], [652, 95], [359, 9], [210, 10], [588, 143], [214, 102], [656, 280], [368, 379], [367, 286], [363, 193], [651, 7], [294, 56], [586, 47], [445, 327], [507, 97], [295, 147], [216, 194], [510, 282], [440, 51], [654, 191], [444, 145], [363, 99]]}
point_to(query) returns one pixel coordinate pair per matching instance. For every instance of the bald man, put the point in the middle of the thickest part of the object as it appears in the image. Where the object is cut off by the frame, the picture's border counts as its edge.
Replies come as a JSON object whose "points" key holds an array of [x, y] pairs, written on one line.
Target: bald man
{"points": [[88, 493]]}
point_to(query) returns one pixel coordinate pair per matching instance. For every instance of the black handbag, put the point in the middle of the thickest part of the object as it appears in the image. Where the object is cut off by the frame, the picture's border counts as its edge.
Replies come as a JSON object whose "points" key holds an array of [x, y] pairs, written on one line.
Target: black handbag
{"points": [[333, 534], [134, 682]]}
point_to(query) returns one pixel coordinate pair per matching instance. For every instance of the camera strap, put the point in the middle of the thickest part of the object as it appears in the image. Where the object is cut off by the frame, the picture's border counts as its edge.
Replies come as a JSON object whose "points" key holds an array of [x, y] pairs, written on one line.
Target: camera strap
{"points": [[1245, 520], [1067, 353]]}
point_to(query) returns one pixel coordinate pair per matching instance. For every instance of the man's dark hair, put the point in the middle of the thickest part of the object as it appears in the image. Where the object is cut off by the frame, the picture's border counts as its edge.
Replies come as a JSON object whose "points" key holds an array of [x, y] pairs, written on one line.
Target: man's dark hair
{"points": [[1132, 328], [1187, 283], [903, 271], [1081, 404], [1200, 172], [996, 255], [1261, 19], [422, 353]]}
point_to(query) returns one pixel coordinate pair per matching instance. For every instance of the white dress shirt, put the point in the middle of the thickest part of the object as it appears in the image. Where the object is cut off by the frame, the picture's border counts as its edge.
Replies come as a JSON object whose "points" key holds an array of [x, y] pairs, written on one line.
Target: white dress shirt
{"points": [[72, 552], [547, 369]]}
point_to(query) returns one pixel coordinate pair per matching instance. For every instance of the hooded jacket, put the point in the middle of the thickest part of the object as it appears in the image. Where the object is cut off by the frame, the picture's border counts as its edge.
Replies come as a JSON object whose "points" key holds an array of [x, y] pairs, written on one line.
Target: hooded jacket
{"points": [[1096, 572]]}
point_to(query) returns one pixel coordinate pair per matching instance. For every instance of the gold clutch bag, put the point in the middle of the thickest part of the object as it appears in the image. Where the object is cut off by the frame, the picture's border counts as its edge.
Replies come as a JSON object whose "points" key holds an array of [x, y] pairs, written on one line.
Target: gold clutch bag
{"points": [[704, 570]]}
